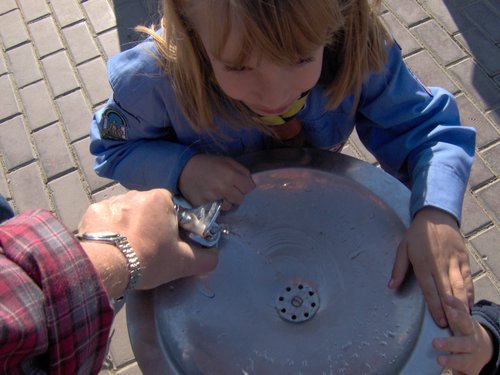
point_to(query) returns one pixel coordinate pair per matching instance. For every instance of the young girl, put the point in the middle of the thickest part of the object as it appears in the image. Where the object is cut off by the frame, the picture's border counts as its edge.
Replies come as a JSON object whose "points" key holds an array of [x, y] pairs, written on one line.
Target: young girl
{"points": [[226, 77]]}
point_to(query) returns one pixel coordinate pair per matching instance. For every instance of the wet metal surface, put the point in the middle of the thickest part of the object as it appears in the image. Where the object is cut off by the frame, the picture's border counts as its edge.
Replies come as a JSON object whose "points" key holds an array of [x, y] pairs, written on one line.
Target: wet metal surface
{"points": [[301, 283]]}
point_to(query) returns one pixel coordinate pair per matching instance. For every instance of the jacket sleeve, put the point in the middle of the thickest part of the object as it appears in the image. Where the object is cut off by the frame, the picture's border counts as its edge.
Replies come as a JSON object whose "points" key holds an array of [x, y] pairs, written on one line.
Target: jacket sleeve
{"points": [[55, 314], [488, 315], [133, 136], [415, 134]]}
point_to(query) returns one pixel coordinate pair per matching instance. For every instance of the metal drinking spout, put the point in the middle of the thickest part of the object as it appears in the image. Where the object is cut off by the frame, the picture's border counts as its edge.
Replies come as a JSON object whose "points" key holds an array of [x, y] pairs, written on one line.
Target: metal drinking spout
{"points": [[199, 222]]}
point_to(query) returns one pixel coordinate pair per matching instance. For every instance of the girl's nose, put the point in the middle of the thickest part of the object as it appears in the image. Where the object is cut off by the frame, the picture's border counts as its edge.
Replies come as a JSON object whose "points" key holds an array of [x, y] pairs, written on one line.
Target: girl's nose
{"points": [[274, 87]]}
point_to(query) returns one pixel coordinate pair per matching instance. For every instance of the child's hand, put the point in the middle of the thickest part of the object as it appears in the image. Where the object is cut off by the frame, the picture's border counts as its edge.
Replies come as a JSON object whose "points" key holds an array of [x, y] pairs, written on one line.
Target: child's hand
{"points": [[207, 178], [435, 248], [471, 347]]}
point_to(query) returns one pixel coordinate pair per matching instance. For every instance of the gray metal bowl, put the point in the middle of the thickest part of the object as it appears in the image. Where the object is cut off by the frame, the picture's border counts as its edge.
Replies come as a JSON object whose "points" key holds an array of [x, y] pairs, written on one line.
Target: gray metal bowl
{"points": [[301, 283]]}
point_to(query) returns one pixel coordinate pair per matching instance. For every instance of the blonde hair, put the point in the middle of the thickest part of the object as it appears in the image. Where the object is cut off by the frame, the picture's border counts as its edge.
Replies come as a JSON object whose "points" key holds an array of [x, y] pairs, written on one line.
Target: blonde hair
{"points": [[355, 39]]}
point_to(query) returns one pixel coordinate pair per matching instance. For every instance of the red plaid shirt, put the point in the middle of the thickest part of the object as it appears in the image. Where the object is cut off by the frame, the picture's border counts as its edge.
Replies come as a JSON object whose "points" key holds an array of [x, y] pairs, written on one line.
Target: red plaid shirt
{"points": [[55, 315]]}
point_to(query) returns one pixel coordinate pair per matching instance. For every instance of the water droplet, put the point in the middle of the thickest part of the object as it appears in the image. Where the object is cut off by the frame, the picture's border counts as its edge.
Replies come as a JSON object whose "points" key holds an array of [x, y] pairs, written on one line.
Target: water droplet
{"points": [[206, 291], [347, 345]]}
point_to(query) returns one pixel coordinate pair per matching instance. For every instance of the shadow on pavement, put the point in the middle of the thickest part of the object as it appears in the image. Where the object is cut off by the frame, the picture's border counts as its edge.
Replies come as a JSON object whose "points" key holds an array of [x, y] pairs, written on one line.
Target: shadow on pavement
{"points": [[129, 14], [478, 25]]}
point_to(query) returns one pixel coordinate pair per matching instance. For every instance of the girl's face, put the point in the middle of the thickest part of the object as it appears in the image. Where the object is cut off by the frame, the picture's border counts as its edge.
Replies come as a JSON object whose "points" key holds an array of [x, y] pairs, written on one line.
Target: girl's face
{"points": [[263, 86]]}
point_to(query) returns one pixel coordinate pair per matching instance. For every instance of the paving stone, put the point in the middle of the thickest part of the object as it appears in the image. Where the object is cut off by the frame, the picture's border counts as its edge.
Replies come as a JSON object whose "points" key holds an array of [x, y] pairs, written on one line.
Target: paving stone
{"points": [[484, 289], [33, 9], [484, 50], [12, 29], [95, 79], [141, 12], [70, 199], [14, 143], [67, 11], [132, 369], [86, 160], [8, 102], [53, 151], [76, 114], [405, 39], [475, 267], [80, 42], [429, 72], [490, 198], [120, 348], [447, 14], [494, 116], [45, 36], [109, 192], [471, 116], [7, 5], [24, 65], [366, 155], [38, 105], [485, 17], [480, 173], [28, 188], [4, 188], [473, 216], [349, 150], [100, 14], [492, 157], [408, 11], [60, 73], [131, 13], [486, 244], [459, 4], [477, 84], [438, 42], [3, 66], [110, 43]]}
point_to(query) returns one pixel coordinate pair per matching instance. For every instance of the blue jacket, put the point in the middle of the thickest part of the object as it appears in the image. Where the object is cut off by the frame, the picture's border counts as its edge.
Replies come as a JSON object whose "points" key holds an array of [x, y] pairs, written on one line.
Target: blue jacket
{"points": [[141, 138]]}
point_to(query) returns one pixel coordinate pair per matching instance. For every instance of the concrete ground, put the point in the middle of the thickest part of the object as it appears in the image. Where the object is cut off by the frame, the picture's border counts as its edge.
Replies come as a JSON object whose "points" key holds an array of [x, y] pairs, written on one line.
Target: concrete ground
{"points": [[53, 76]]}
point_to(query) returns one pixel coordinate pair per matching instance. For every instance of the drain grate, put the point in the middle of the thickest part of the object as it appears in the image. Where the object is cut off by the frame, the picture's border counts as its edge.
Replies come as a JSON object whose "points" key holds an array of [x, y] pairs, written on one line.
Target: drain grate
{"points": [[297, 303]]}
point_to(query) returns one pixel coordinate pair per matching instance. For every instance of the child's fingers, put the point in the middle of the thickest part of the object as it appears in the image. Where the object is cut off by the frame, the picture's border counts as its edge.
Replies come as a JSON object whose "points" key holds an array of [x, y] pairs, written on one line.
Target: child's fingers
{"points": [[461, 323], [456, 303], [461, 363], [459, 319], [455, 344]]}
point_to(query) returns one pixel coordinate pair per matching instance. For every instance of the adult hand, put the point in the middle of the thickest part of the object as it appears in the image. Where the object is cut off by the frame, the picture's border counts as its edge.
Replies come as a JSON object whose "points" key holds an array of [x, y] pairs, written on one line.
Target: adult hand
{"points": [[435, 248], [207, 178], [149, 222]]}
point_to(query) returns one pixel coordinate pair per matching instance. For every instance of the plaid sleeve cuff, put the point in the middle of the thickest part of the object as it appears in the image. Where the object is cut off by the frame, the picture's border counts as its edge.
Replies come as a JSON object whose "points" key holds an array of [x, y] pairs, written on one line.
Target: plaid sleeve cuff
{"points": [[50, 281]]}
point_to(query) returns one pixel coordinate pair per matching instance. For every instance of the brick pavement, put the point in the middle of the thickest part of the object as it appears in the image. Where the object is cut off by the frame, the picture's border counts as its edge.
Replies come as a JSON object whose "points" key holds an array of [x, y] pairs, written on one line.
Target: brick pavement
{"points": [[53, 76]]}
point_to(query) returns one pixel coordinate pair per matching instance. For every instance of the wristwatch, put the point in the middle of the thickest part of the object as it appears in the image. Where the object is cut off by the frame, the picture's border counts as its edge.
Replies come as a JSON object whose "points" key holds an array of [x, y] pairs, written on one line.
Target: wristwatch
{"points": [[121, 242]]}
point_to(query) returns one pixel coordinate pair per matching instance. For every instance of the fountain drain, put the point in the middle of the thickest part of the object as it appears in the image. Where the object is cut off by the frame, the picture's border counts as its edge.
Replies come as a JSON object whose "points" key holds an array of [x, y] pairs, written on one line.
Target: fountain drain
{"points": [[297, 303]]}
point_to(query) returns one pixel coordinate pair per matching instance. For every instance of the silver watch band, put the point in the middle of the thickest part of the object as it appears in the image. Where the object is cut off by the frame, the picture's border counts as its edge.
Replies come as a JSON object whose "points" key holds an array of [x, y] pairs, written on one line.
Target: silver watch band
{"points": [[121, 242]]}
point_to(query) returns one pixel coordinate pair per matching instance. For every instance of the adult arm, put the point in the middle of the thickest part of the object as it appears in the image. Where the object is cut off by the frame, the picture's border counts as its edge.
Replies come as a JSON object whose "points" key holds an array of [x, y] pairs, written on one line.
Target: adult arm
{"points": [[55, 313]]}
